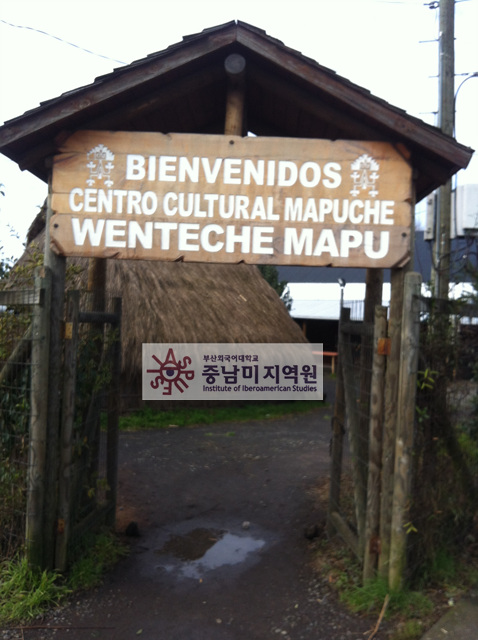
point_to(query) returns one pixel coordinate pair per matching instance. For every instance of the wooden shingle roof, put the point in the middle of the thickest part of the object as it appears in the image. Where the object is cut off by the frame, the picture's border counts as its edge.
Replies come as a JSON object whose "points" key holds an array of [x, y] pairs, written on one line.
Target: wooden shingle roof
{"points": [[183, 89]]}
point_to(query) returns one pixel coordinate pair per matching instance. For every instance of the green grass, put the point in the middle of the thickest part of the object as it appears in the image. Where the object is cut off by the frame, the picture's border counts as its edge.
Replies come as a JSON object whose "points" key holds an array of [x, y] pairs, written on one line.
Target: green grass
{"points": [[409, 630], [370, 597], [26, 593], [148, 418], [103, 554], [407, 612]]}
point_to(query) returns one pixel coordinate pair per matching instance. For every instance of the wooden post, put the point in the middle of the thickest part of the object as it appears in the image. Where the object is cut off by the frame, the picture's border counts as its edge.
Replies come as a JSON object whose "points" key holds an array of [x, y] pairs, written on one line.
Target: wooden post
{"points": [[353, 421], [372, 540], [40, 332], [373, 297], [97, 282], [57, 265], [112, 437], [19, 354], [97, 268], [68, 417], [235, 66], [338, 431], [392, 375], [405, 427], [346, 533], [446, 117], [390, 417]]}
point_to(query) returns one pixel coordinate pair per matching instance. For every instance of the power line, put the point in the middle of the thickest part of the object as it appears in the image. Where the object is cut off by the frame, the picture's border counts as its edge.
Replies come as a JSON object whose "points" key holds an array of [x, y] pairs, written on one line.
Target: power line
{"points": [[71, 44]]}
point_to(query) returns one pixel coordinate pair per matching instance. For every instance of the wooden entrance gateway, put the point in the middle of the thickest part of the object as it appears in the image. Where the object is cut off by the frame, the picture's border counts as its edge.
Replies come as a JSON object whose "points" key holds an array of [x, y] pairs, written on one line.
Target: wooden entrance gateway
{"points": [[220, 85]]}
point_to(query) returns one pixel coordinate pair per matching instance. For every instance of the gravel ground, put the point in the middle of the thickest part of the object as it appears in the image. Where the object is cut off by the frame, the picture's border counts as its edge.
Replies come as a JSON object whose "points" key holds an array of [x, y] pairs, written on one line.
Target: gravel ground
{"points": [[221, 512]]}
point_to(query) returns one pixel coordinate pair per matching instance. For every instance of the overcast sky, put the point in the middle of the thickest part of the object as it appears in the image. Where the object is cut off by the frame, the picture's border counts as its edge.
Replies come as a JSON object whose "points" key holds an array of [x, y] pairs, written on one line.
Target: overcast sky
{"points": [[387, 46]]}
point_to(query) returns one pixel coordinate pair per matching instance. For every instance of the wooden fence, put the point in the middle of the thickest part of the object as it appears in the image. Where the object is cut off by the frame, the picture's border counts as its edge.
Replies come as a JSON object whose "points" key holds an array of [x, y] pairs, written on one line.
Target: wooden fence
{"points": [[25, 347], [88, 457], [71, 476], [379, 440]]}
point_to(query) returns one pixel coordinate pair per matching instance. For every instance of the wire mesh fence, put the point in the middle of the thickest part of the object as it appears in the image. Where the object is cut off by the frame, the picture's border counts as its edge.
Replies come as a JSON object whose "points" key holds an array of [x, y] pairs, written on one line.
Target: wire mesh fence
{"points": [[350, 453], [15, 413], [82, 486], [439, 495], [443, 515], [89, 424]]}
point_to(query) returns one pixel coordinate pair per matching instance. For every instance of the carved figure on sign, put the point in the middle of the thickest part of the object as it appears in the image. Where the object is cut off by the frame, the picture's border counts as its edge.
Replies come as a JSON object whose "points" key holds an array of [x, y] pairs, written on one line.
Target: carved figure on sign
{"points": [[100, 164], [365, 176]]}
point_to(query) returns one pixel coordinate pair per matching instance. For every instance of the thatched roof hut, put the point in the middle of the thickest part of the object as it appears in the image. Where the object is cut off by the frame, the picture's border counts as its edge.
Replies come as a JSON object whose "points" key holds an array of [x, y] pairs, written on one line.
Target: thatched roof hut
{"points": [[185, 302], [171, 302]]}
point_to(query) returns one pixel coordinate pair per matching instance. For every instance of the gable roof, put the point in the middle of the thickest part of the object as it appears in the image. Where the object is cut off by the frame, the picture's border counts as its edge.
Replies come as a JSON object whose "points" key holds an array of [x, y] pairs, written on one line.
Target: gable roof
{"points": [[183, 89]]}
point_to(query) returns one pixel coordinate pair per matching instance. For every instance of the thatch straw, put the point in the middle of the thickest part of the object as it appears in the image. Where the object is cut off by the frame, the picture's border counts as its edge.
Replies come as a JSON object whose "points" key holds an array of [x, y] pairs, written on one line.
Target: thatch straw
{"points": [[188, 302], [185, 302]]}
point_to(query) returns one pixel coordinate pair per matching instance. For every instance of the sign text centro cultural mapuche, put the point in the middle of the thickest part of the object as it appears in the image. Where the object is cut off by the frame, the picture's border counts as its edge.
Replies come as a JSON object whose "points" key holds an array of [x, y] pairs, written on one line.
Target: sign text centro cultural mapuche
{"points": [[208, 198]]}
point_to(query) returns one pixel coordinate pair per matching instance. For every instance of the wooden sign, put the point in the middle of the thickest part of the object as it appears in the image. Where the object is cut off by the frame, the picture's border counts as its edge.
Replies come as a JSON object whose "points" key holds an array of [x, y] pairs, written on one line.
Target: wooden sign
{"points": [[206, 198]]}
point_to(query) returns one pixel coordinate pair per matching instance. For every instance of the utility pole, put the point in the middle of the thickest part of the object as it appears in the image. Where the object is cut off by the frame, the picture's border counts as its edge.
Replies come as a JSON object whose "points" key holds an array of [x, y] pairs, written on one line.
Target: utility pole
{"points": [[446, 122]]}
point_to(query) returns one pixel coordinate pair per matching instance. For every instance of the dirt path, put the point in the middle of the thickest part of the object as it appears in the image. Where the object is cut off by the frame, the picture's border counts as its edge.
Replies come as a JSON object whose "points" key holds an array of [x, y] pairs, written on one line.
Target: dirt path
{"points": [[222, 554]]}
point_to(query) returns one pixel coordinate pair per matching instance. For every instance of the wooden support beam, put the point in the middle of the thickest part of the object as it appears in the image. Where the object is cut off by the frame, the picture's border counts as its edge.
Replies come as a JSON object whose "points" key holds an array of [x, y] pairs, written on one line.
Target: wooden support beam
{"points": [[97, 268], [97, 282], [98, 317], [372, 520], [338, 433], [390, 417], [358, 329], [37, 447], [405, 428], [57, 266], [345, 532], [65, 492], [112, 435], [235, 66], [23, 297], [20, 354], [353, 423], [321, 110], [162, 98], [373, 298]]}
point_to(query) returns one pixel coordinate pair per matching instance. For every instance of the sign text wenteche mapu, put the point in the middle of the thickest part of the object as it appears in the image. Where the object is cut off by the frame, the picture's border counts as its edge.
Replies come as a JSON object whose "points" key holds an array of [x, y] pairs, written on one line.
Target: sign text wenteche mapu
{"points": [[212, 198]]}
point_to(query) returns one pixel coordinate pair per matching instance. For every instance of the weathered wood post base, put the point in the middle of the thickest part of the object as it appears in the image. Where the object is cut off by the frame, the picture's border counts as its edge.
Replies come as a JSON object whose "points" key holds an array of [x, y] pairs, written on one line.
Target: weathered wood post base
{"points": [[390, 418], [57, 265], [338, 433], [372, 519], [40, 334], [405, 428]]}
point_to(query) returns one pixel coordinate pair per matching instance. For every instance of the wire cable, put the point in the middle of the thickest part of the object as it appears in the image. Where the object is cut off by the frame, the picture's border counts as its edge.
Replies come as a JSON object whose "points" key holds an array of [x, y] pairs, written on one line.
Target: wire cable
{"points": [[71, 44]]}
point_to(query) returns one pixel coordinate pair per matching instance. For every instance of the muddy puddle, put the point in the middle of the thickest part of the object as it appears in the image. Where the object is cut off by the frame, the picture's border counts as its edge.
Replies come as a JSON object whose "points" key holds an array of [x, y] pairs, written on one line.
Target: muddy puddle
{"points": [[192, 554]]}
